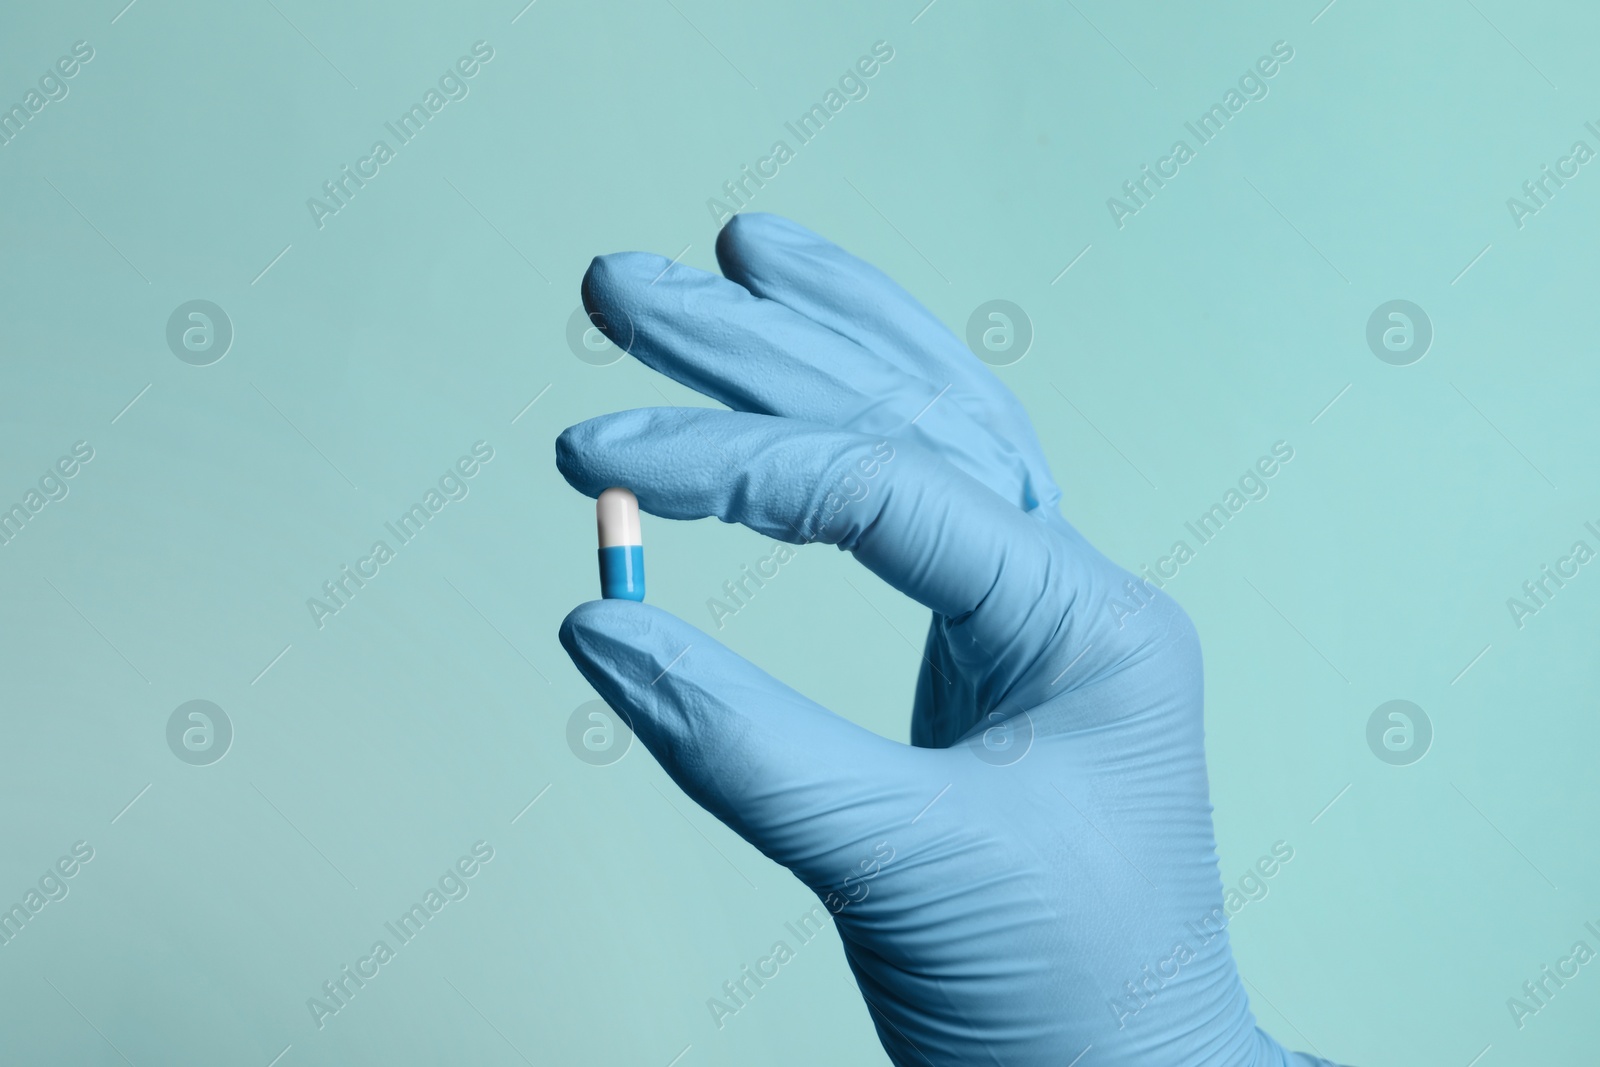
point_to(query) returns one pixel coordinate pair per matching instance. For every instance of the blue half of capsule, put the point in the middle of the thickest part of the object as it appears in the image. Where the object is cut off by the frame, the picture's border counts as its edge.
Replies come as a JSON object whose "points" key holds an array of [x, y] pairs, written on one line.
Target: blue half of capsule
{"points": [[622, 572]]}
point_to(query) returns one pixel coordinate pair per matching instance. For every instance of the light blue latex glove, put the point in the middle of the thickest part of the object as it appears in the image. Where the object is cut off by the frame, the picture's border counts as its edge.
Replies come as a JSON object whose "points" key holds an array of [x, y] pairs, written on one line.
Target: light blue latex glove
{"points": [[1037, 876]]}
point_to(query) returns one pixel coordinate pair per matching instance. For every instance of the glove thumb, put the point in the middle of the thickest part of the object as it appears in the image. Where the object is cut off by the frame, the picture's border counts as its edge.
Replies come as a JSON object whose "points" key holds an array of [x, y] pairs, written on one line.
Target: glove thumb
{"points": [[796, 781]]}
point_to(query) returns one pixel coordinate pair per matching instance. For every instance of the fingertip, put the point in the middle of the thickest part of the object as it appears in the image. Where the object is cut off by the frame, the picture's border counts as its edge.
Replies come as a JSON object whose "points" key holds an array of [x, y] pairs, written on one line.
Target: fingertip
{"points": [[571, 626], [593, 454], [568, 451], [614, 270], [576, 455], [593, 631], [594, 635], [612, 277], [581, 624], [622, 646], [754, 225], [627, 622], [743, 228], [745, 235], [613, 293]]}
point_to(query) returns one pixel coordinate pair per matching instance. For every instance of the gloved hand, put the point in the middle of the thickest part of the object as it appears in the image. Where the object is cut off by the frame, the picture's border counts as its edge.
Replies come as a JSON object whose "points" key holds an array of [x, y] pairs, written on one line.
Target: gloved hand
{"points": [[1036, 874]]}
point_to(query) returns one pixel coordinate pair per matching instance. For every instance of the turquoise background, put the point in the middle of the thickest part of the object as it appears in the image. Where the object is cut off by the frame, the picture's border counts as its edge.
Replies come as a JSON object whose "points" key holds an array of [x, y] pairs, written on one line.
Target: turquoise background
{"points": [[425, 716]]}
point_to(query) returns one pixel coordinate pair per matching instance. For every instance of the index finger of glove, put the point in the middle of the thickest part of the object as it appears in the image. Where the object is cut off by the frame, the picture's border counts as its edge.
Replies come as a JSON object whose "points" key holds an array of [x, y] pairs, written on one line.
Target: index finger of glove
{"points": [[927, 529]]}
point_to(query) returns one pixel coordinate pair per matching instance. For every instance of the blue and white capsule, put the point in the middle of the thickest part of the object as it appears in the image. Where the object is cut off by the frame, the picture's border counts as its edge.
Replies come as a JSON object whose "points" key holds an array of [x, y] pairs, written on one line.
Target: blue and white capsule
{"points": [[621, 545]]}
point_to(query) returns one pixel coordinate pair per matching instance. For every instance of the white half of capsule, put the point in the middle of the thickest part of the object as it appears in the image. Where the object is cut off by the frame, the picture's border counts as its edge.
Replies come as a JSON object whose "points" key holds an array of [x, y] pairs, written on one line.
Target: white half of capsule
{"points": [[617, 514]]}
